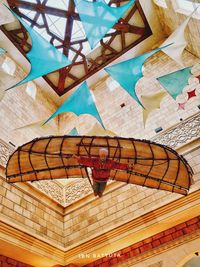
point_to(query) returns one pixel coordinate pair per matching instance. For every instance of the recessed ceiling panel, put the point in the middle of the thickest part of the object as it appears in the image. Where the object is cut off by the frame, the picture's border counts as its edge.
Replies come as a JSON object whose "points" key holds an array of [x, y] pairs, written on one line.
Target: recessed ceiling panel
{"points": [[59, 23]]}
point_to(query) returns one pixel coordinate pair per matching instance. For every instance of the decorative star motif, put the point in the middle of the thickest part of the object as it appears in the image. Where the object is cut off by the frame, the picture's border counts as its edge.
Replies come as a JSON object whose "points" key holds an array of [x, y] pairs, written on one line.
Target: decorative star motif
{"points": [[191, 94], [181, 106], [198, 77]]}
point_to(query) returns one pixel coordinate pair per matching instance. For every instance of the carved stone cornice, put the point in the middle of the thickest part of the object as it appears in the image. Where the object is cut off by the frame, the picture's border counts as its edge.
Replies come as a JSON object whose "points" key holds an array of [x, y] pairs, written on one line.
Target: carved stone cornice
{"points": [[176, 136], [142, 227], [122, 236], [161, 249], [79, 189], [52, 189], [5, 151], [13, 238], [180, 134]]}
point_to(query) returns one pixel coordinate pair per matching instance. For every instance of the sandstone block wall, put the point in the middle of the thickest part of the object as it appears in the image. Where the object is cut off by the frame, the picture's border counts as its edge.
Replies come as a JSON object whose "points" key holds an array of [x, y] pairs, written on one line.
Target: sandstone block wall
{"points": [[120, 206], [19, 109], [32, 215], [127, 121], [129, 201]]}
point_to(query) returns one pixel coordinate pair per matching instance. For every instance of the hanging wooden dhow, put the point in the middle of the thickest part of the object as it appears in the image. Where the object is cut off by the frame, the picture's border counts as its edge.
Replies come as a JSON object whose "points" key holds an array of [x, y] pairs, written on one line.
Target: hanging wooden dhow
{"points": [[155, 165]]}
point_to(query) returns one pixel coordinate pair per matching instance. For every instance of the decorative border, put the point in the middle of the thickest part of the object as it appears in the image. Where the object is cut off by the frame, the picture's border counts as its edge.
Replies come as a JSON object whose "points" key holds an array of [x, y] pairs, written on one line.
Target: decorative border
{"points": [[181, 133], [166, 237], [185, 231], [5, 152]]}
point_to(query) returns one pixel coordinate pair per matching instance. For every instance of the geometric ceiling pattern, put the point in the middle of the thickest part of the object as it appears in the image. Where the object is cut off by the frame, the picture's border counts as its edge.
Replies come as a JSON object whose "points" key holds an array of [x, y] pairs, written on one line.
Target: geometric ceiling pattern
{"points": [[59, 23]]}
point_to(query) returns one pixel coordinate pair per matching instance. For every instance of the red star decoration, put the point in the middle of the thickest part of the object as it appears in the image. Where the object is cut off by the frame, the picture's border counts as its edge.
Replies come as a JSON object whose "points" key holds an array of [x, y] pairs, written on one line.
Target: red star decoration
{"points": [[181, 106], [191, 94], [198, 77]]}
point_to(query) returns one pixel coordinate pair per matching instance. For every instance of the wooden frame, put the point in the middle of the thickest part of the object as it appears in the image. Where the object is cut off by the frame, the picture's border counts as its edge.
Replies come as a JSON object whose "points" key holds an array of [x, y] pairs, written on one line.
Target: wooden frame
{"points": [[125, 34]]}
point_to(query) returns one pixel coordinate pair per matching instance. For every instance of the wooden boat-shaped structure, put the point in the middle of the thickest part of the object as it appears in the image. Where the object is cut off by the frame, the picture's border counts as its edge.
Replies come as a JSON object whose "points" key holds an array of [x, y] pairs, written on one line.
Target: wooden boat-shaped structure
{"points": [[155, 165]]}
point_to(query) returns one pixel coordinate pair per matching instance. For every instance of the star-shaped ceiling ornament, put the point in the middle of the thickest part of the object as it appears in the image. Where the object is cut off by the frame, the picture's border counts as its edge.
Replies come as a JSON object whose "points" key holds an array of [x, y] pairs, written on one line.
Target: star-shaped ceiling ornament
{"points": [[181, 106], [198, 77], [191, 94]]}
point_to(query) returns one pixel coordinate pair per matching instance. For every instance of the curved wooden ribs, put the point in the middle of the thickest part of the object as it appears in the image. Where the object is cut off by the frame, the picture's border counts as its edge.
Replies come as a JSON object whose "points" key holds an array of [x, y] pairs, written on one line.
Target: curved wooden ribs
{"points": [[155, 166]]}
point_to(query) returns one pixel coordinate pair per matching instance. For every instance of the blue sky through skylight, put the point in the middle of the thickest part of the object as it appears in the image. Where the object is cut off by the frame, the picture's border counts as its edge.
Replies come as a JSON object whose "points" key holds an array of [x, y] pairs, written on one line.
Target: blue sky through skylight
{"points": [[57, 26]]}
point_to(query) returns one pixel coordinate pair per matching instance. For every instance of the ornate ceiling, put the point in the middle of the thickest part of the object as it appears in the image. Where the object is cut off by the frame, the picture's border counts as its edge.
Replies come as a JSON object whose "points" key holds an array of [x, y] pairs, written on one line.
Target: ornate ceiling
{"points": [[60, 24]]}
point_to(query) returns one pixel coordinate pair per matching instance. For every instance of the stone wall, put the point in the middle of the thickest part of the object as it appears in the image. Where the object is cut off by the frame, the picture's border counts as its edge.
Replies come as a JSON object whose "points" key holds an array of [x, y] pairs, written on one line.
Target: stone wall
{"points": [[120, 206], [92, 217], [19, 109], [129, 201], [30, 214], [127, 121]]}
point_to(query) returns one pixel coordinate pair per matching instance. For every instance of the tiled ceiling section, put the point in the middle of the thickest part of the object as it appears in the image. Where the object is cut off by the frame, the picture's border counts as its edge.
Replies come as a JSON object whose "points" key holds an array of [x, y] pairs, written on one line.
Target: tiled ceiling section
{"points": [[59, 23]]}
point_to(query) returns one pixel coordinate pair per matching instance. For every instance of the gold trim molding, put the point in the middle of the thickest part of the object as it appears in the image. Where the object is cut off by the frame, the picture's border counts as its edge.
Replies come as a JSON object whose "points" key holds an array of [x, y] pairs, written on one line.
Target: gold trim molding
{"points": [[134, 231], [138, 229]]}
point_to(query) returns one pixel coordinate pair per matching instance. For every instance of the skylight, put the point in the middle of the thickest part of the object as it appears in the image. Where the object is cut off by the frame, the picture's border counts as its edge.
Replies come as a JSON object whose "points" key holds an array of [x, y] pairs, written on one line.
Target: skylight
{"points": [[59, 23], [61, 4], [56, 25], [78, 31]]}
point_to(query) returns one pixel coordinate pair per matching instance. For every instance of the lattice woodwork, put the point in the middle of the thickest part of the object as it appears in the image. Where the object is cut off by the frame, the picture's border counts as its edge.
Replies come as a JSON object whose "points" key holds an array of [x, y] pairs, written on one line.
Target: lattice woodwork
{"points": [[125, 34]]}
